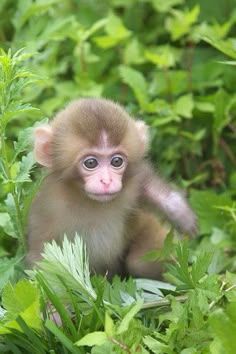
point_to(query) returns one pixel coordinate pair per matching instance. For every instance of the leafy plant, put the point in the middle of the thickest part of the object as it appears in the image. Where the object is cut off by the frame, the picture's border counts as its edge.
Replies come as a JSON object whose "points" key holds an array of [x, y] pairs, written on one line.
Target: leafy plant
{"points": [[79, 311], [15, 167], [172, 63]]}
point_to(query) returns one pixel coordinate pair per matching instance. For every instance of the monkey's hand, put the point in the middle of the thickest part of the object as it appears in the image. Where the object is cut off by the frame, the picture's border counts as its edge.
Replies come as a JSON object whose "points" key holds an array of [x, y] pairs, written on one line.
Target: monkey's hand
{"points": [[180, 214], [172, 204]]}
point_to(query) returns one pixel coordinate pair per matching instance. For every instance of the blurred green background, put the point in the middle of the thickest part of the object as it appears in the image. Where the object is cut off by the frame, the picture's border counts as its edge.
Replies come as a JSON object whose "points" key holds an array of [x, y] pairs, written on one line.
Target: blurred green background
{"points": [[157, 57]]}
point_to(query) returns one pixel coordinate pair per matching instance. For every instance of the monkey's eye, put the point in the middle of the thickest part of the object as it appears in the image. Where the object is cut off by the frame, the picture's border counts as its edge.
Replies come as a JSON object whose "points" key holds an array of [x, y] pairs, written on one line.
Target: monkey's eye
{"points": [[90, 163], [117, 161]]}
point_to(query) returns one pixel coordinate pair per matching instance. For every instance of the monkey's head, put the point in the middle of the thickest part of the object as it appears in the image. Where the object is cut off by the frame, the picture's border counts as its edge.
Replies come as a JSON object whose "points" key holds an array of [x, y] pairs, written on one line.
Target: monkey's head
{"points": [[95, 142]]}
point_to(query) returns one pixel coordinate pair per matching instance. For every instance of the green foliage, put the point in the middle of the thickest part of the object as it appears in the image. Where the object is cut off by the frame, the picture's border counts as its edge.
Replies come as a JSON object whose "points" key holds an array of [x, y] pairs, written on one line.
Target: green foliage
{"points": [[191, 317], [172, 63], [15, 168], [17, 304]]}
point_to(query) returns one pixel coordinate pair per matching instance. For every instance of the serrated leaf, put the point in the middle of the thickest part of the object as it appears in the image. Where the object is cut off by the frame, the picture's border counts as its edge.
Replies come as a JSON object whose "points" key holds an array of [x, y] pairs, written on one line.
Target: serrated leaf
{"points": [[25, 140], [91, 339], [16, 303], [69, 262], [7, 270], [200, 266], [180, 269], [119, 291], [25, 167]]}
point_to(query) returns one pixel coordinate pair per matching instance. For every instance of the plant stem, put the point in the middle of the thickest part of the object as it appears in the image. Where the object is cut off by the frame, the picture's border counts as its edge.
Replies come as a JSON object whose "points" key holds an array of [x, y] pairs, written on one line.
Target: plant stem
{"points": [[164, 302]]}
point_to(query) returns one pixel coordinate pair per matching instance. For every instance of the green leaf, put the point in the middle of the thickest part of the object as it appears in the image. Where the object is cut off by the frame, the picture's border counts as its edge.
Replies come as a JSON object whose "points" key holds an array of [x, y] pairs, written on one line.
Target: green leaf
{"points": [[91, 339], [228, 62], [204, 106], [221, 118], [206, 204], [156, 346], [162, 56], [34, 340], [115, 27], [184, 106], [62, 338], [223, 324], [200, 266], [133, 52], [109, 325], [181, 22], [7, 270], [69, 262], [25, 166], [154, 286], [59, 306], [180, 270], [6, 224], [116, 32], [225, 46], [16, 303], [165, 5], [120, 292], [28, 9], [11, 210], [106, 348], [124, 325], [25, 140], [137, 82]]}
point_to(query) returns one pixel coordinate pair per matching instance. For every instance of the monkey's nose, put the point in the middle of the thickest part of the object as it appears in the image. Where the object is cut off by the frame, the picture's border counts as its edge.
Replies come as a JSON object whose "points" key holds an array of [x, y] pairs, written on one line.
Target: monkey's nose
{"points": [[106, 183]]}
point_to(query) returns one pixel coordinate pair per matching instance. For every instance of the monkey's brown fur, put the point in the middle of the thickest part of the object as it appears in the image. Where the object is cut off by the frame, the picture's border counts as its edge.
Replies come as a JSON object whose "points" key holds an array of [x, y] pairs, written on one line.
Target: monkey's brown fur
{"points": [[119, 231]]}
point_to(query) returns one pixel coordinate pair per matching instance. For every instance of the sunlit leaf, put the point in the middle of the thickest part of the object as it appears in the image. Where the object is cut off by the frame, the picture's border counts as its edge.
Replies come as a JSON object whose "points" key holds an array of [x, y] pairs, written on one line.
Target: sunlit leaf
{"points": [[16, 303]]}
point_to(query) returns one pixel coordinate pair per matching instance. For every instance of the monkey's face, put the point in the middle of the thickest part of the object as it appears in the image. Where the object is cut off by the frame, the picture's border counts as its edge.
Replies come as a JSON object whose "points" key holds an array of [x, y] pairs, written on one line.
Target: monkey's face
{"points": [[102, 173]]}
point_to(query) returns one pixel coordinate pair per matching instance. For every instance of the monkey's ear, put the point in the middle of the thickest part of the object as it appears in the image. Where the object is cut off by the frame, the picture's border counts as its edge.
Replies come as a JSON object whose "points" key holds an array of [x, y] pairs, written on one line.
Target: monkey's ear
{"points": [[42, 145], [143, 134]]}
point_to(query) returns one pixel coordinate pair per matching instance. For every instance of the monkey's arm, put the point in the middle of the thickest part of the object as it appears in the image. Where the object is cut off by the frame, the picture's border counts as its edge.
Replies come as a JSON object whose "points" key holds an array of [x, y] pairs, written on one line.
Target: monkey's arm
{"points": [[170, 202]]}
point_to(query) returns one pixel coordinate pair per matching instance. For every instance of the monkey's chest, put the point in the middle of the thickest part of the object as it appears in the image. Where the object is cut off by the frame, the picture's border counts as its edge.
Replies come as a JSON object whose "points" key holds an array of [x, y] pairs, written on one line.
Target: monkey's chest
{"points": [[104, 238]]}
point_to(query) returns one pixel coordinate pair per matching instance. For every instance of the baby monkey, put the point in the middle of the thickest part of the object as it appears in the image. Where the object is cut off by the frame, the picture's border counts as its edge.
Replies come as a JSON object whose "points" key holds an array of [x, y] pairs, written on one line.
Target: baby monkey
{"points": [[99, 185]]}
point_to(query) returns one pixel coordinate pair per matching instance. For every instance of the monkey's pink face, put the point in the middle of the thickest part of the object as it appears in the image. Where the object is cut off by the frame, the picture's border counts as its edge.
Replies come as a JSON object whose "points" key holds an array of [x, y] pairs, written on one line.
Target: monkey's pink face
{"points": [[102, 175]]}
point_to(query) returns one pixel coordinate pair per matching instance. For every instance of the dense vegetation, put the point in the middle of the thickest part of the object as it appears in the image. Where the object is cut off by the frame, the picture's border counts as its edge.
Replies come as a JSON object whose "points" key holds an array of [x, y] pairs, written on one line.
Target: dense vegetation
{"points": [[172, 63]]}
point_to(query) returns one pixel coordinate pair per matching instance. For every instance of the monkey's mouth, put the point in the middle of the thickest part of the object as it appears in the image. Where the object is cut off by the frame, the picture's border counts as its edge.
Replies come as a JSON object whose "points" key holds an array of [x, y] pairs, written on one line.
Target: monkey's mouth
{"points": [[102, 197]]}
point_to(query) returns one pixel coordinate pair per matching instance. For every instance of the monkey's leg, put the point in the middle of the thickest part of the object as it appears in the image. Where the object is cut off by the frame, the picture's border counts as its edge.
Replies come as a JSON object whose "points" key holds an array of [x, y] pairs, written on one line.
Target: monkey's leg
{"points": [[147, 235]]}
